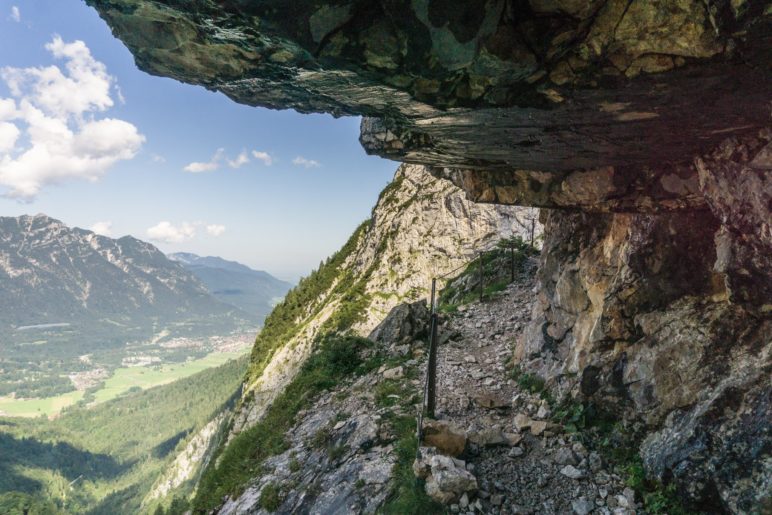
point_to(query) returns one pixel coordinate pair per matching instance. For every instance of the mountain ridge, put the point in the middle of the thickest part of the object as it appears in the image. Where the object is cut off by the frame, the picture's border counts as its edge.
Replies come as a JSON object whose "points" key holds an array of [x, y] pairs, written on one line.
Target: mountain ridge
{"points": [[52, 272], [233, 283]]}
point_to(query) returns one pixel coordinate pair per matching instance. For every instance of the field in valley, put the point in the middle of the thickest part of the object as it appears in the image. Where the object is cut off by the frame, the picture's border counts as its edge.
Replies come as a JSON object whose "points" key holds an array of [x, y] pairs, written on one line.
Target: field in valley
{"points": [[121, 381]]}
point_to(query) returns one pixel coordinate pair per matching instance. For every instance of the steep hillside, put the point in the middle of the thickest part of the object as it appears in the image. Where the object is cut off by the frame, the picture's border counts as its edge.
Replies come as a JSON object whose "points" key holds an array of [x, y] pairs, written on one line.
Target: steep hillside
{"points": [[253, 291], [117, 451], [421, 227]]}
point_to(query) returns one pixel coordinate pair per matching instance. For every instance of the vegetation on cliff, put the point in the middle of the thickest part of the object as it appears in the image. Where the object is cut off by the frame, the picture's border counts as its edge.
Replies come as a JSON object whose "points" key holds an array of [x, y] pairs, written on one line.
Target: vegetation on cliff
{"points": [[302, 303], [335, 359]]}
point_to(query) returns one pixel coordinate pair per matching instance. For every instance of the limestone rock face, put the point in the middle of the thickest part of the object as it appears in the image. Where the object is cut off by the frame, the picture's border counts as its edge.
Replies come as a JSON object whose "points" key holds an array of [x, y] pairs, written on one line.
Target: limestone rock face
{"points": [[635, 311], [421, 227]]}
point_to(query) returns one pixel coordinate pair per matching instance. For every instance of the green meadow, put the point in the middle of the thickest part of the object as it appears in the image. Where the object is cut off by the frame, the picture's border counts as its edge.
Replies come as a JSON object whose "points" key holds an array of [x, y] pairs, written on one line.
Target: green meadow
{"points": [[122, 380]]}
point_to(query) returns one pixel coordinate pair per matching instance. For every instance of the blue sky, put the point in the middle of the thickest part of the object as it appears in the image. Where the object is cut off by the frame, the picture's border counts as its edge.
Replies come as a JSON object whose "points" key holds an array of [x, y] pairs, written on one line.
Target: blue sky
{"points": [[133, 136]]}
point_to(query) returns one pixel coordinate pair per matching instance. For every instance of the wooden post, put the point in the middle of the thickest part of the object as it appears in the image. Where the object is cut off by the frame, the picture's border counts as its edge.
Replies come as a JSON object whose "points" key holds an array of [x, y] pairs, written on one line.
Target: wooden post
{"points": [[512, 263], [431, 373], [481, 277], [533, 226]]}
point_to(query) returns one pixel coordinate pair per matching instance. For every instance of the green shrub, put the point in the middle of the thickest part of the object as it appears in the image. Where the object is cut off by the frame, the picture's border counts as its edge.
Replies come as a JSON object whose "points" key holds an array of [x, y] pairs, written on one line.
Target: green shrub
{"points": [[336, 452], [270, 497], [409, 495]]}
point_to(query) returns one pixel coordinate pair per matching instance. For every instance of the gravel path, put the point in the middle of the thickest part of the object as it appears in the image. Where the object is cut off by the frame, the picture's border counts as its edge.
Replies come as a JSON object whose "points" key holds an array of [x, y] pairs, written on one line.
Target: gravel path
{"points": [[535, 467]]}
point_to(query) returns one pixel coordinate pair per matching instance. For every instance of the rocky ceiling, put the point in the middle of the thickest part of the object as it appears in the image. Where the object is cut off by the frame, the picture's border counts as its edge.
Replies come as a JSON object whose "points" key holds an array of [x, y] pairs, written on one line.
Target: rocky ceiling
{"points": [[551, 86]]}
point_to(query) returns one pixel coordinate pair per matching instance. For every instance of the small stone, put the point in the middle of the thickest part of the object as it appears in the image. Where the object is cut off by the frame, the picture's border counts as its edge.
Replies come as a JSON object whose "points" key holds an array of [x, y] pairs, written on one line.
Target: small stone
{"points": [[339, 425], [522, 422], [538, 427], [543, 412], [565, 456], [582, 506], [622, 501], [470, 359], [497, 500], [489, 401], [629, 494], [596, 462], [402, 350], [464, 501], [572, 472], [512, 438], [516, 452], [394, 373], [579, 449]]}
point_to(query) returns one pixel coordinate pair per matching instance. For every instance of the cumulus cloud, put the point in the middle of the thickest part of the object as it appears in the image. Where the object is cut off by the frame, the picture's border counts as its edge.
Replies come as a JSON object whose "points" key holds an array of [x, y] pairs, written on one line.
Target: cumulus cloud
{"points": [[265, 157], [156, 158], [206, 166], [170, 233], [103, 228], [240, 160], [48, 129], [215, 230], [15, 14], [308, 163]]}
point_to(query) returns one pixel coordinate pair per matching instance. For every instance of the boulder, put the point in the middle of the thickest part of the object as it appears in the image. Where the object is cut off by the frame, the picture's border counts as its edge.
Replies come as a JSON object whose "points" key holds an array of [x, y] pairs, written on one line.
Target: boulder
{"points": [[445, 437], [447, 482], [405, 323]]}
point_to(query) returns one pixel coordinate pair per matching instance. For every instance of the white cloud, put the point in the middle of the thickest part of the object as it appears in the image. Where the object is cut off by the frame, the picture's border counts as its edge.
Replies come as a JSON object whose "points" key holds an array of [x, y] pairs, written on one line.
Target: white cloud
{"points": [[208, 166], [158, 158], [15, 14], [240, 160], [119, 94], [9, 133], [103, 228], [49, 132], [215, 230], [169, 233], [265, 157], [308, 163]]}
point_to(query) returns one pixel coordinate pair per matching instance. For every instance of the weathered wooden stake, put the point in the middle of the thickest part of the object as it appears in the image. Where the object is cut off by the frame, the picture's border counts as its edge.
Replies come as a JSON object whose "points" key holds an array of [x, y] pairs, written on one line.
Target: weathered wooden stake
{"points": [[481, 277], [431, 373], [512, 263]]}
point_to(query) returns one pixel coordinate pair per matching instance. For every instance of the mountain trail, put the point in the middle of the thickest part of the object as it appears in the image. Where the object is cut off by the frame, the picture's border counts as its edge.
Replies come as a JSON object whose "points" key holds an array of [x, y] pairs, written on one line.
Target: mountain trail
{"points": [[523, 462]]}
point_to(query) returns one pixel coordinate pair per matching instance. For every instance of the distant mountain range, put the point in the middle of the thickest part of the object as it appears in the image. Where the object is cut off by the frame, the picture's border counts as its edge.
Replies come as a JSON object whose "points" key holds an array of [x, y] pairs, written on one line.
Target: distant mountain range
{"points": [[54, 276], [252, 291]]}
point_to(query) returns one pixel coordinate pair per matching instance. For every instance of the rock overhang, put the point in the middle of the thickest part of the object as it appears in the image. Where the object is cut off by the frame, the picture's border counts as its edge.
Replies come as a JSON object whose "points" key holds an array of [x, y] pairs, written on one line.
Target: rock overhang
{"points": [[518, 93]]}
